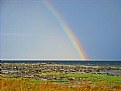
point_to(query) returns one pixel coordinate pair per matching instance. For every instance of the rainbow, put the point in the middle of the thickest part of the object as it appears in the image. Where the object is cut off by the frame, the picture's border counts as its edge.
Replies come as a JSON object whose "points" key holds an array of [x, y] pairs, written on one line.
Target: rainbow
{"points": [[67, 29]]}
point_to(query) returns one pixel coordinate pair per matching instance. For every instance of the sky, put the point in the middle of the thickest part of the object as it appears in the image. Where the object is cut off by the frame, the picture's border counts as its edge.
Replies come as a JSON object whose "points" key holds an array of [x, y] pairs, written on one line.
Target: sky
{"points": [[29, 29]]}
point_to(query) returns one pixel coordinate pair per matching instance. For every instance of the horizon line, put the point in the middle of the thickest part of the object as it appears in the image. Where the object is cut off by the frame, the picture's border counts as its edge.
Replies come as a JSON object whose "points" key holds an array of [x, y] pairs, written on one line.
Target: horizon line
{"points": [[63, 59]]}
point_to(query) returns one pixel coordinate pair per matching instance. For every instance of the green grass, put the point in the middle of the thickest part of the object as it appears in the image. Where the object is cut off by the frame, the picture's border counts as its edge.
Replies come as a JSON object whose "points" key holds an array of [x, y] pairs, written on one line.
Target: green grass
{"points": [[90, 77], [59, 81]]}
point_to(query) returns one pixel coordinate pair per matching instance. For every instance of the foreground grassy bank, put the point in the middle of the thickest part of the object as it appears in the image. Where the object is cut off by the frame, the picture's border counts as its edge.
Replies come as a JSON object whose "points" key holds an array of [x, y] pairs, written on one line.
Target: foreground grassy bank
{"points": [[94, 78], [28, 85], [88, 82]]}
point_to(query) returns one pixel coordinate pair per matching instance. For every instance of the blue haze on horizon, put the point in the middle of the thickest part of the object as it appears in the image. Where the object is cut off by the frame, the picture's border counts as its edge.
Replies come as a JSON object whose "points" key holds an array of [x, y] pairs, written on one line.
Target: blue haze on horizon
{"points": [[28, 30]]}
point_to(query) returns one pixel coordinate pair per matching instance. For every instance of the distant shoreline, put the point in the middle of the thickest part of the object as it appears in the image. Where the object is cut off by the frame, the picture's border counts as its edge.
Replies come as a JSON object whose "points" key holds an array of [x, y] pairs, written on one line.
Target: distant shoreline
{"points": [[69, 62]]}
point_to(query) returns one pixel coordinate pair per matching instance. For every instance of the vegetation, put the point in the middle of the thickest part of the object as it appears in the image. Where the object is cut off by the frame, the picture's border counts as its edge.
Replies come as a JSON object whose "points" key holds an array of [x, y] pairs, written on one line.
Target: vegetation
{"points": [[55, 77], [90, 77], [100, 83]]}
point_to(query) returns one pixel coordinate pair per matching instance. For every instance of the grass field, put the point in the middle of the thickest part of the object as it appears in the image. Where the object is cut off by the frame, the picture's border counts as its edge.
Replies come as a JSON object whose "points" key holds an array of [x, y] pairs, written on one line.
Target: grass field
{"points": [[89, 77], [98, 83]]}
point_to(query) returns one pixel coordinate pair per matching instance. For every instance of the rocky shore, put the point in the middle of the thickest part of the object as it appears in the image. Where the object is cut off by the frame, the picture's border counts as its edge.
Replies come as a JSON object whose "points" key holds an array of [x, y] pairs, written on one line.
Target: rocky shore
{"points": [[37, 70]]}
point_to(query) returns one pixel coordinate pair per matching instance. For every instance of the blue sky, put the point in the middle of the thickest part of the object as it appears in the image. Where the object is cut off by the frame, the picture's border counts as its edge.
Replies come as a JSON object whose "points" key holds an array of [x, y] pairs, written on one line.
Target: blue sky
{"points": [[29, 30]]}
